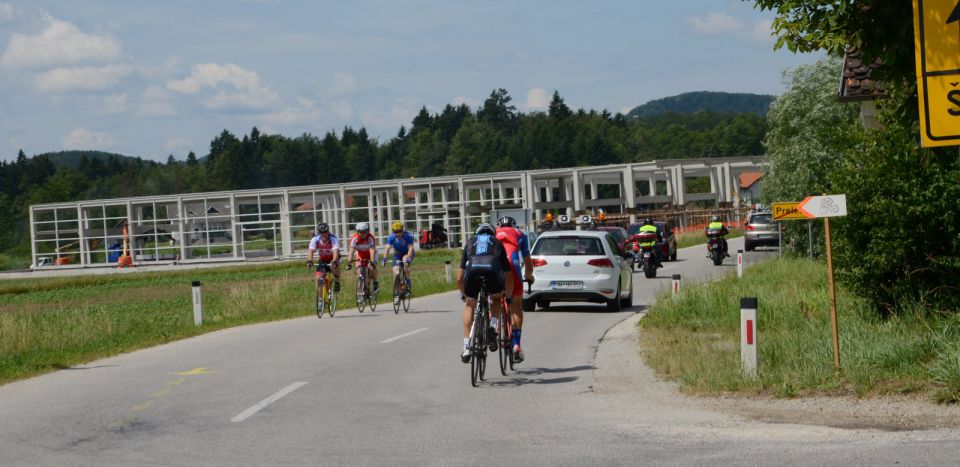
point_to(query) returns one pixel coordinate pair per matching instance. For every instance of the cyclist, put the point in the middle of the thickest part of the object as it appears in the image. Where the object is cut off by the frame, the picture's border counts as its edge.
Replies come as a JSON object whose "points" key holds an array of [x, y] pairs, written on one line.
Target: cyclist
{"points": [[649, 226], [483, 257], [403, 253], [718, 226], [328, 251], [364, 246], [517, 246]]}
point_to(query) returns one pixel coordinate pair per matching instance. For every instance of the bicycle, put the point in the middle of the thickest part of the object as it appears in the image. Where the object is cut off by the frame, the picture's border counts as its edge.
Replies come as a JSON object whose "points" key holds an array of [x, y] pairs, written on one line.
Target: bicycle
{"points": [[401, 289], [505, 338], [326, 298], [365, 296], [478, 336]]}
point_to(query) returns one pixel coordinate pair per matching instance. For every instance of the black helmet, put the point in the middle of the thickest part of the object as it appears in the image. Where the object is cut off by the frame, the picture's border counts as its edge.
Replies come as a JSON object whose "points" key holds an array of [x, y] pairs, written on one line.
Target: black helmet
{"points": [[506, 221], [323, 228], [647, 221], [485, 229]]}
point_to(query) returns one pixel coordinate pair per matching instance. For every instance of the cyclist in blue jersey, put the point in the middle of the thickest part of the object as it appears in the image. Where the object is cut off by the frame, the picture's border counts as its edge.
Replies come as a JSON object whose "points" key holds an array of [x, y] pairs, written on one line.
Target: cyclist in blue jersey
{"points": [[402, 244]]}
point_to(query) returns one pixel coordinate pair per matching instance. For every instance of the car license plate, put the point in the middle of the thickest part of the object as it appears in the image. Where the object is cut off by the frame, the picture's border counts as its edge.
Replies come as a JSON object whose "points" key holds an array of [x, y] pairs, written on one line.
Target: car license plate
{"points": [[764, 236], [566, 285]]}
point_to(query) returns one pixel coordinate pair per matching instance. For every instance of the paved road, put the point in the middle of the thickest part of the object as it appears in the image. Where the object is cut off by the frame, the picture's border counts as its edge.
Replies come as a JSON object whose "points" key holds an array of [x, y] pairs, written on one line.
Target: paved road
{"points": [[378, 389]]}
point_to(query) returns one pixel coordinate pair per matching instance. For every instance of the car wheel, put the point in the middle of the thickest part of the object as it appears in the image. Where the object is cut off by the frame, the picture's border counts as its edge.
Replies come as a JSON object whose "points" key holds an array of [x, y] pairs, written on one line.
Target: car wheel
{"points": [[528, 305], [613, 305], [544, 305], [627, 302], [748, 246]]}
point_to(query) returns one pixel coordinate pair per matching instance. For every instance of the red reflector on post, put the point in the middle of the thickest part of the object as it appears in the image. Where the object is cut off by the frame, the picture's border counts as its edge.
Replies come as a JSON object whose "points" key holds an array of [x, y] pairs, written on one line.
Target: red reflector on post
{"points": [[601, 262], [750, 331]]}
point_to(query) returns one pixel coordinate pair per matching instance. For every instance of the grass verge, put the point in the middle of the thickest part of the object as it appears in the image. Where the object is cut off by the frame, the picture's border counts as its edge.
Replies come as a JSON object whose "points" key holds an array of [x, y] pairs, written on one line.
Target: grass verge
{"points": [[53, 323], [695, 340], [698, 238], [8, 262]]}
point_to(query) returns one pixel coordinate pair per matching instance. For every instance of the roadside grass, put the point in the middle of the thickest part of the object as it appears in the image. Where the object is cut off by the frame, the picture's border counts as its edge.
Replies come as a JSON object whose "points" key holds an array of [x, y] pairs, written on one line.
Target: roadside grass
{"points": [[687, 239], [8, 262], [54, 323], [695, 339]]}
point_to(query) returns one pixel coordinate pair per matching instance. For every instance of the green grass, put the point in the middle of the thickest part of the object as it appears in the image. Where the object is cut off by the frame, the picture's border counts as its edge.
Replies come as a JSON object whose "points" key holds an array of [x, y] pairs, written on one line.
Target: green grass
{"points": [[53, 323], [8, 262], [695, 340], [698, 238]]}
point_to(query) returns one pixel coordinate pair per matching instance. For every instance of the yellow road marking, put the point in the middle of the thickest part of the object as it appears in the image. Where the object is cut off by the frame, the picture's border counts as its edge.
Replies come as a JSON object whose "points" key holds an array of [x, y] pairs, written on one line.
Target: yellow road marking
{"points": [[141, 407], [176, 382], [195, 371]]}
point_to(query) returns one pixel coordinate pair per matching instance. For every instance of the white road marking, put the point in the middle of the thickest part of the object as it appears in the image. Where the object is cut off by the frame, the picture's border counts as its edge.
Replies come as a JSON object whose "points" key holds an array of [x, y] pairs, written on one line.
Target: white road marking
{"points": [[260, 405], [401, 336]]}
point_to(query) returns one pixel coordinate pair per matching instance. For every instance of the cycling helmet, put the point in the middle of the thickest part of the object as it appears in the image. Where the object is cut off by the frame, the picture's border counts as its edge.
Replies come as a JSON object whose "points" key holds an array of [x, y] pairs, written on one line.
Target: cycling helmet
{"points": [[485, 229], [506, 221], [323, 228], [362, 227], [398, 226], [647, 221], [715, 218]]}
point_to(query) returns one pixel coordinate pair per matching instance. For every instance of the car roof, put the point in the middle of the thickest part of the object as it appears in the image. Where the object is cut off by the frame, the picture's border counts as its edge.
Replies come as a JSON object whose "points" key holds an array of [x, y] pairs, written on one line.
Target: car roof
{"points": [[573, 233]]}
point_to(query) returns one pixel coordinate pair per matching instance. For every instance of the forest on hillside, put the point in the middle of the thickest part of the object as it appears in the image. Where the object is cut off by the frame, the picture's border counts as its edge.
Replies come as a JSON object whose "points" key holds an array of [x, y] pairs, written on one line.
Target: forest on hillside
{"points": [[456, 140]]}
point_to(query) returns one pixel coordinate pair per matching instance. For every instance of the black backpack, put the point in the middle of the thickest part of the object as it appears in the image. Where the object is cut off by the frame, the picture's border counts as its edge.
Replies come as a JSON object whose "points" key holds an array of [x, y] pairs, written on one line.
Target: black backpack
{"points": [[484, 253]]}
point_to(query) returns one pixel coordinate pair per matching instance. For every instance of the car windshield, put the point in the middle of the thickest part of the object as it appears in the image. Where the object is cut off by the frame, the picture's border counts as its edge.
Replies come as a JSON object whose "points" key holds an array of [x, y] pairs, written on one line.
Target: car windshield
{"points": [[634, 229], [760, 219], [568, 246]]}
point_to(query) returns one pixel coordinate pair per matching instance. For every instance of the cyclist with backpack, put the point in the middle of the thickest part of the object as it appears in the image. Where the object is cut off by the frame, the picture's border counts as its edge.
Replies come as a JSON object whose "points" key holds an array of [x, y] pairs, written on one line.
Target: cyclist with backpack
{"points": [[484, 257]]}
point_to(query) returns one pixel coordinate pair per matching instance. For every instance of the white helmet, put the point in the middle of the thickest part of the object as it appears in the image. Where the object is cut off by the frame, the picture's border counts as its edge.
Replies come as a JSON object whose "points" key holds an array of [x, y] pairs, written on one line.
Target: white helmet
{"points": [[362, 227]]}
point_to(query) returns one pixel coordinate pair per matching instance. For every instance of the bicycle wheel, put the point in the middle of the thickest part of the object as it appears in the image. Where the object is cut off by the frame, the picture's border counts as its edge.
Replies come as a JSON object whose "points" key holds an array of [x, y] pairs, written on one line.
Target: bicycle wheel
{"points": [[407, 295], [361, 293], [505, 350], [320, 302], [372, 299], [331, 302], [397, 291], [477, 349]]}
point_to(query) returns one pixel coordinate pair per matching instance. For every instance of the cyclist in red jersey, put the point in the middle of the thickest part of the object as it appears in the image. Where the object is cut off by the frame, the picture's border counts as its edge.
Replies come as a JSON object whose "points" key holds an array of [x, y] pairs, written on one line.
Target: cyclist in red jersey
{"points": [[364, 247], [517, 246]]}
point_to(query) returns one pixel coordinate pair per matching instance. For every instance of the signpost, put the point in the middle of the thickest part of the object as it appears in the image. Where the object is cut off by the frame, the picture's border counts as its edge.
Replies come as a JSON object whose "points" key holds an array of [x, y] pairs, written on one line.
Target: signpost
{"points": [[827, 207], [936, 25]]}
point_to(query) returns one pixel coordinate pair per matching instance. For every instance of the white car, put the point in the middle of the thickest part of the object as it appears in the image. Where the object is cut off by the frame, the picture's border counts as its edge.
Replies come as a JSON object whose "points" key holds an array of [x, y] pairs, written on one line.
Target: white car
{"points": [[579, 266]]}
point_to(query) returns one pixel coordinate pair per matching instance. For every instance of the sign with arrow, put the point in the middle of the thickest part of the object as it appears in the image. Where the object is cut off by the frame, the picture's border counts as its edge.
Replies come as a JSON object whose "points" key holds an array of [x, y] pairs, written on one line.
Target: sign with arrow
{"points": [[824, 206], [787, 211], [936, 25]]}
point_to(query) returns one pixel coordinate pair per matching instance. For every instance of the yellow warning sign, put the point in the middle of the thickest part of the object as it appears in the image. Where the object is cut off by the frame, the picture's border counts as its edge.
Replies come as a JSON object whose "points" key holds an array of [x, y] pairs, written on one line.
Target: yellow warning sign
{"points": [[936, 25], [787, 211]]}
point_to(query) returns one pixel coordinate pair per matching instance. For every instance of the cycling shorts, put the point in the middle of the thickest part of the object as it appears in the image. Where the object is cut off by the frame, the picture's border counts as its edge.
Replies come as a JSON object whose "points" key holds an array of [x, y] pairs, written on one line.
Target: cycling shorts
{"points": [[472, 279]]}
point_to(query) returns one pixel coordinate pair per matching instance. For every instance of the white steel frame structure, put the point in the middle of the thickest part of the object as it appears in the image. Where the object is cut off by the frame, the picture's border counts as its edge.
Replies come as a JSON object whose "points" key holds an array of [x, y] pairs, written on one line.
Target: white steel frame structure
{"points": [[278, 222]]}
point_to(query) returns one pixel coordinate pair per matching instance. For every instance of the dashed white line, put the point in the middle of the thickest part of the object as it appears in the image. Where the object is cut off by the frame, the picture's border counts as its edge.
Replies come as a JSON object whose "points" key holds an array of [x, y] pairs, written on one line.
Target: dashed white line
{"points": [[401, 336], [260, 405]]}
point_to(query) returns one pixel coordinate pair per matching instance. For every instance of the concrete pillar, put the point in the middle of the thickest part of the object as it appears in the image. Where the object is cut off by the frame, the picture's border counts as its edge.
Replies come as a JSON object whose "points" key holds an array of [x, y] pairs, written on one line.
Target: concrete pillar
{"points": [[286, 237], [463, 211], [627, 192], [681, 189]]}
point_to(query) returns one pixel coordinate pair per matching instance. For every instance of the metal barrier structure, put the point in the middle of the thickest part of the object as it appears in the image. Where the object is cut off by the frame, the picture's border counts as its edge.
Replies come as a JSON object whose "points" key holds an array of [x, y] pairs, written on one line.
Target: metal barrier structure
{"points": [[279, 222]]}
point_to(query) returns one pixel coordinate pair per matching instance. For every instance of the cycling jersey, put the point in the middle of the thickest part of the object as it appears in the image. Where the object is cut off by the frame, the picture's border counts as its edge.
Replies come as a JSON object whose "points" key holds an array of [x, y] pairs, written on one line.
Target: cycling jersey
{"points": [[325, 249], [515, 244], [483, 257], [401, 244], [365, 248]]}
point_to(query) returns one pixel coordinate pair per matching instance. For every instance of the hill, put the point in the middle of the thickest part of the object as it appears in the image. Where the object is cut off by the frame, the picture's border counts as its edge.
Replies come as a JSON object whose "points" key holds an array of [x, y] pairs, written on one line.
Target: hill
{"points": [[72, 158], [722, 102]]}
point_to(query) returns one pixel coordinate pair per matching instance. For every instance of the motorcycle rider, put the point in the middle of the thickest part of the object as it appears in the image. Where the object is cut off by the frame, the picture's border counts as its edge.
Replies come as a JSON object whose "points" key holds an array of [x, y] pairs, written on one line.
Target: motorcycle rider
{"points": [[649, 226], [718, 226]]}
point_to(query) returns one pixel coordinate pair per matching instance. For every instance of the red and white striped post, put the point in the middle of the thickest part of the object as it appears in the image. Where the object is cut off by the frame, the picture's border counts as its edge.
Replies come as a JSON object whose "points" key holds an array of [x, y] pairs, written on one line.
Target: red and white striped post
{"points": [[739, 264], [748, 335], [676, 285]]}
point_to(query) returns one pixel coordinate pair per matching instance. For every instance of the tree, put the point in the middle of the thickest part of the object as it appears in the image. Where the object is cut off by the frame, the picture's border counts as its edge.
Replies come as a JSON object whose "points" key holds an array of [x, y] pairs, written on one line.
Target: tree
{"points": [[558, 109], [192, 159], [497, 110]]}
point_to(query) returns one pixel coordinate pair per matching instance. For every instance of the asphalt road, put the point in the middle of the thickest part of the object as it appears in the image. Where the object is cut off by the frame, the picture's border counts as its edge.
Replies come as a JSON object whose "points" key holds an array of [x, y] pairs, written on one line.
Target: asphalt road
{"points": [[377, 389]]}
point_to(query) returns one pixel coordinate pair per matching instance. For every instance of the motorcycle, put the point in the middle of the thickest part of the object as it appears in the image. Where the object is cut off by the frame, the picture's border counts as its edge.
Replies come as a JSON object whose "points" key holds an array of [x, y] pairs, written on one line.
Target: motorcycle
{"points": [[643, 256], [715, 246]]}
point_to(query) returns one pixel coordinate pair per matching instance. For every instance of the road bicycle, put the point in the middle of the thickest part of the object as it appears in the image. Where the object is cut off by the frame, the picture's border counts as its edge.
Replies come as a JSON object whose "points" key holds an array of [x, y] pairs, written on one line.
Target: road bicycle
{"points": [[478, 335], [504, 337], [365, 295], [401, 289], [326, 297]]}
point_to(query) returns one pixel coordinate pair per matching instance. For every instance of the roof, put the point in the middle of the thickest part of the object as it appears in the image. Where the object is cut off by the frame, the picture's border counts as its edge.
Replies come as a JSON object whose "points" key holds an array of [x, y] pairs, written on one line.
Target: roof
{"points": [[856, 83], [747, 179], [568, 233]]}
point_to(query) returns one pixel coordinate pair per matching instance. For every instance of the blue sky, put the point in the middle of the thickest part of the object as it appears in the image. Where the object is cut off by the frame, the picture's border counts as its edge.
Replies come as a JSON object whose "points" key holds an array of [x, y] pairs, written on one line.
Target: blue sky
{"points": [[147, 78]]}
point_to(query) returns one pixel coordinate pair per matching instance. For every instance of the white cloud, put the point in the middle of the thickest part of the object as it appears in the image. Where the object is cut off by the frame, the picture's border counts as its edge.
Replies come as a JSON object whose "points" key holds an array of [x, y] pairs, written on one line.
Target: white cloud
{"points": [[155, 103], [115, 104], [6, 13], [537, 98], [61, 43], [304, 114], [343, 84], [401, 112], [177, 144], [714, 23], [81, 138], [247, 91], [762, 30], [60, 80]]}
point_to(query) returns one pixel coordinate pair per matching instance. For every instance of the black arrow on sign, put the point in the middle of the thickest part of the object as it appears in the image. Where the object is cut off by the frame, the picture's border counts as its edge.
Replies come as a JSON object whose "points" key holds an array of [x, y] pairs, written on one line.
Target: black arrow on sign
{"points": [[955, 15]]}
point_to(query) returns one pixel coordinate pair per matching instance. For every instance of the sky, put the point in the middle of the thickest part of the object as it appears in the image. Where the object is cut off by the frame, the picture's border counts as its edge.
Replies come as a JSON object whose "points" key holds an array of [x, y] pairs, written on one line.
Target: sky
{"points": [[151, 79]]}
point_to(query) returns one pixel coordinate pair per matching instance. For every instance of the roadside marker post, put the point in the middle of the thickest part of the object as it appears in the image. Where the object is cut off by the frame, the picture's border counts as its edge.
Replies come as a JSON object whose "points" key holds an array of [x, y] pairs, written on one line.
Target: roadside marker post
{"points": [[739, 264], [748, 335], [676, 285], [197, 305], [448, 270]]}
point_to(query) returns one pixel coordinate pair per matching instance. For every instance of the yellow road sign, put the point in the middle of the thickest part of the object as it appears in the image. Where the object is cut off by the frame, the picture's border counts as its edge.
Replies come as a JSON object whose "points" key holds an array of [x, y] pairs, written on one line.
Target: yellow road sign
{"points": [[936, 25], [787, 211]]}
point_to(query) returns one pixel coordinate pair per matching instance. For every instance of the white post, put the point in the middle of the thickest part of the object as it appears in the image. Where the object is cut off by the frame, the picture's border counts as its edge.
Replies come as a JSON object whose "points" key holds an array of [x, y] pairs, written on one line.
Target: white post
{"points": [[748, 336], [739, 263], [676, 285], [448, 271], [197, 305]]}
